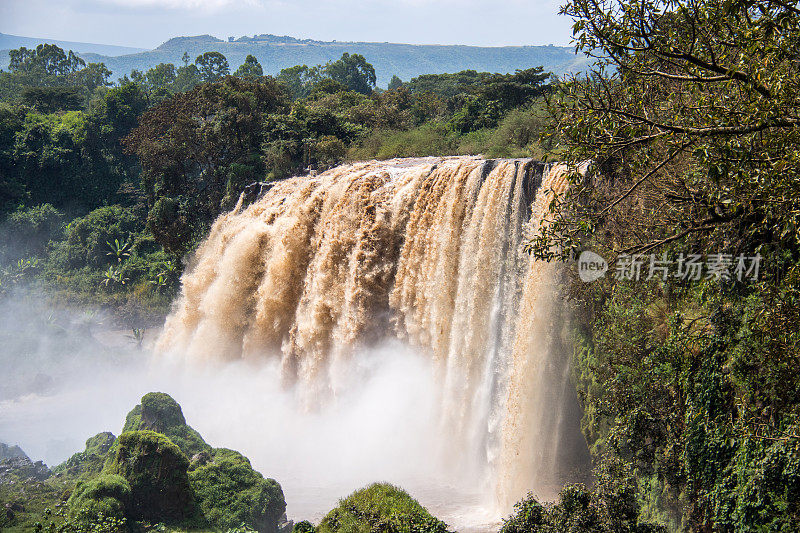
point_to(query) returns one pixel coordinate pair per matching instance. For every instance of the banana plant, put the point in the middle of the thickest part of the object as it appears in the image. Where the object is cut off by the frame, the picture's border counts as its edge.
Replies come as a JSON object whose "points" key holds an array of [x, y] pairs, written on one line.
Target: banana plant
{"points": [[113, 276], [119, 250]]}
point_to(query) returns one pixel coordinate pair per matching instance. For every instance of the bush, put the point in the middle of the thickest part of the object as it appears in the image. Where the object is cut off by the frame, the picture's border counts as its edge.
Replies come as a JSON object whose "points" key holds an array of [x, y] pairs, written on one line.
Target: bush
{"points": [[156, 471], [428, 140], [88, 236], [380, 507], [230, 493], [612, 508], [26, 232], [104, 496], [159, 412], [304, 527]]}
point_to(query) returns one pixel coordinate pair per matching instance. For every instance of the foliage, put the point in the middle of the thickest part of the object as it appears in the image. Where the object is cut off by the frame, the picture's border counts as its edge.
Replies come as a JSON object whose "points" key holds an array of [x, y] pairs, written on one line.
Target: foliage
{"points": [[380, 507], [160, 413], [213, 66], [609, 509], [104, 496], [156, 471], [251, 68], [692, 107], [87, 237], [91, 460], [197, 146], [26, 232], [230, 493]]}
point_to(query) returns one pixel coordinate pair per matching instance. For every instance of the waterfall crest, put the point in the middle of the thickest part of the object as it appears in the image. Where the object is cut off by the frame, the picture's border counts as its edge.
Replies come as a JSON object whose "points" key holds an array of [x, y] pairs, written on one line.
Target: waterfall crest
{"points": [[428, 251]]}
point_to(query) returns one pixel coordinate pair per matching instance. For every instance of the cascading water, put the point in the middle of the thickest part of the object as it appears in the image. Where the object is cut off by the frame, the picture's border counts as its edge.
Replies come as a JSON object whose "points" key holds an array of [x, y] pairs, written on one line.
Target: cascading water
{"points": [[428, 251]]}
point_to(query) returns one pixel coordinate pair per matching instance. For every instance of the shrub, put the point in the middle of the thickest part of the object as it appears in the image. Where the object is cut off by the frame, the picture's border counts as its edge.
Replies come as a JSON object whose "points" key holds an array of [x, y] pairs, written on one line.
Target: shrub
{"points": [[304, 527], [104, 496], [380, 507], [230, 493], [156, 471], [428, 140], [88, 236], [29, 230]]}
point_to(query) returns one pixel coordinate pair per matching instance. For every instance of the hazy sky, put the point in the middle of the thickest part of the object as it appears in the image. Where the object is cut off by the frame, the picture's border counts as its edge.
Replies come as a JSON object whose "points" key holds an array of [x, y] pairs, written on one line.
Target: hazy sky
{"points": [[148, 23]]}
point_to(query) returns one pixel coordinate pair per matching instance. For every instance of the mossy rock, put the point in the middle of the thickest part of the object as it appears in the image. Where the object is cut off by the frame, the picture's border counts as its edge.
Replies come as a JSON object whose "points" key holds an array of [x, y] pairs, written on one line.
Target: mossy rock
{"points": [[230, 493], [156, 470], [159, 412], [304, 527], [104, 496], [91, 460], [380, 507]]}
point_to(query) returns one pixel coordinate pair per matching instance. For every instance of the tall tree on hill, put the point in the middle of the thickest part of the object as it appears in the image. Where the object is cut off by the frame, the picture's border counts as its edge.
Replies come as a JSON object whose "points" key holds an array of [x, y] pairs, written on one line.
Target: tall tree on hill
{"points": [[251, 68], [353, 72], [212, 66]]}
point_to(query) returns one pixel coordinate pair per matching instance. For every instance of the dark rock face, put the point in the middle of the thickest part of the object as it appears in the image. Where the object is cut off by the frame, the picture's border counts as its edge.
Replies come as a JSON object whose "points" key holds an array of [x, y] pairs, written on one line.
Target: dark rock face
{"points": [[10, 452], [16, 466], [156, 471]]}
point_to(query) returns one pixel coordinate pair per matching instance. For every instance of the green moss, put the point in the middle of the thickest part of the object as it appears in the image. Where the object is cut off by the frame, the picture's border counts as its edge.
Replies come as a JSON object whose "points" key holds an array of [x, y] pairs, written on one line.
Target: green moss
{"points": [[91, 460], [303, 527], [230, 493], [156, 470], [104, 496], [160, 413], [380, 507]]}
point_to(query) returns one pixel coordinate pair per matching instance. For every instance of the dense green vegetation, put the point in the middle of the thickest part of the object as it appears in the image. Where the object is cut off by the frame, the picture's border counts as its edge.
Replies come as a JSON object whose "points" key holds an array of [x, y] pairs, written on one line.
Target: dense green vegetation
{"points": [[380, 507], [689, 382], [689, 386], [140, 481], [105, 187]]}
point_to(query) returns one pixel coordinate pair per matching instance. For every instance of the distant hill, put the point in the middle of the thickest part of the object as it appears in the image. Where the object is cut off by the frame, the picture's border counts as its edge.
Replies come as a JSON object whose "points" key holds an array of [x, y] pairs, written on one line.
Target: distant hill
{"points": [[405, 60], [10, 42]]}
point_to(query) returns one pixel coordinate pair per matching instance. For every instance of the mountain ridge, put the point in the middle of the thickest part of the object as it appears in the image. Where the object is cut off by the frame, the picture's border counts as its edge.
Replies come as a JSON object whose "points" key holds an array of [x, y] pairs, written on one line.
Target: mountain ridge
{"points": [[10, 42], [404, 60]]}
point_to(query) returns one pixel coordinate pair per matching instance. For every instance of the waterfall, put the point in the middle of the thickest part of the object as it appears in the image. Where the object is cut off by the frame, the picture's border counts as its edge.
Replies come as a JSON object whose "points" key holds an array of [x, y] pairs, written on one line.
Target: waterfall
{"points": [[427, 251]]}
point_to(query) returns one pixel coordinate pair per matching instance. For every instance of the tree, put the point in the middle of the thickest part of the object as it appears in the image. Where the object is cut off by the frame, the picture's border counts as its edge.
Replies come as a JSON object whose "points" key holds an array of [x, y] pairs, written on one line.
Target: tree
{"points": [[200, 148], [186, 77], [395, 83], [161, 76], [93, 76], [46, 59], [251, 68], [691, 106], [353, 72], [689, 122], [212, 66], [299, 79]]}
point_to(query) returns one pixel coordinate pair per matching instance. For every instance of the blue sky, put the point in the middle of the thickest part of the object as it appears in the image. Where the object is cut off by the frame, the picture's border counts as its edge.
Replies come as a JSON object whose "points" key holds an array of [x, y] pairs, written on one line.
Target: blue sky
{"points": [[147, 23]]}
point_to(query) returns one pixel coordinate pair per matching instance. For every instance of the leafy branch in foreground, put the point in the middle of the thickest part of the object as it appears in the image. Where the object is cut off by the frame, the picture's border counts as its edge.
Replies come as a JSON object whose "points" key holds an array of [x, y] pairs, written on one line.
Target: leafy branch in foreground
{"points": [[691, 118]]}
